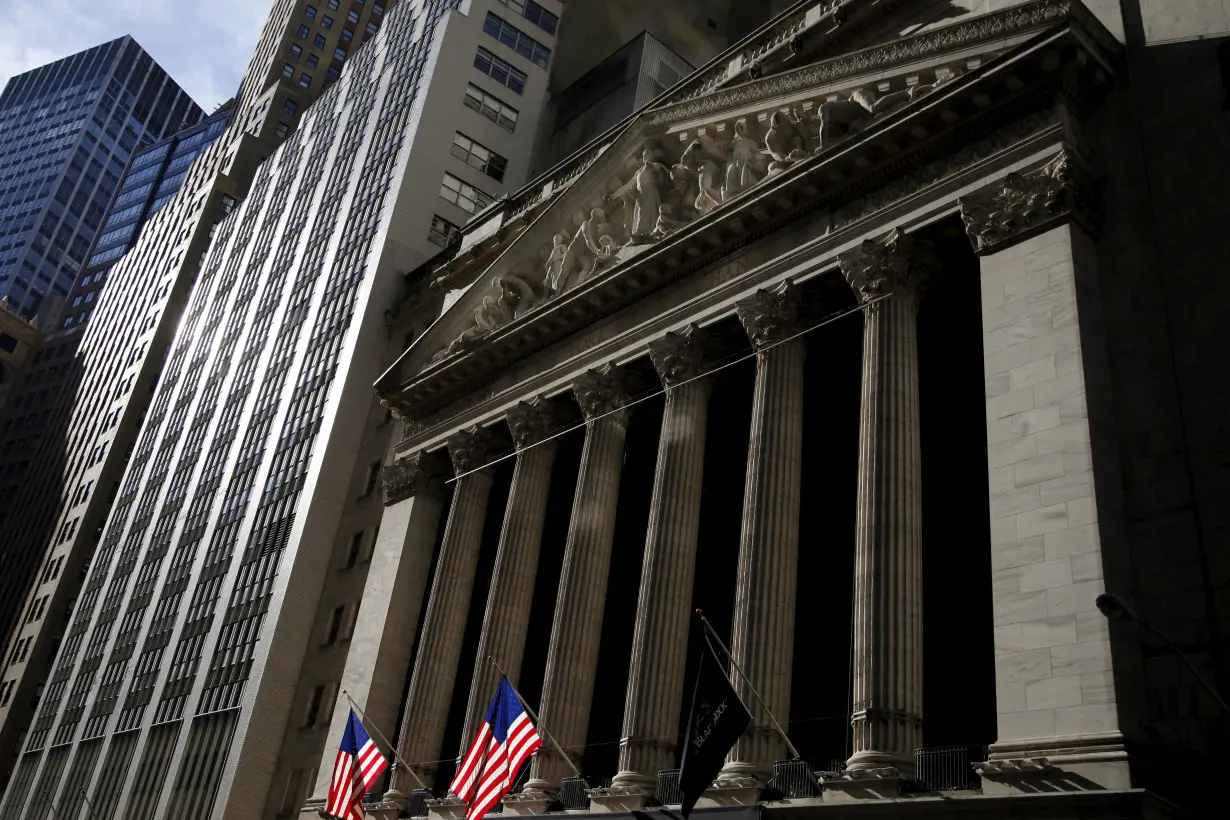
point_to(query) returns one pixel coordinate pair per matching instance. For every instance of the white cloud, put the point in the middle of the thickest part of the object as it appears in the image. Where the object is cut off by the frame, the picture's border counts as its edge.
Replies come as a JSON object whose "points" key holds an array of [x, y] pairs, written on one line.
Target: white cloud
{"points": [[203, 44]]}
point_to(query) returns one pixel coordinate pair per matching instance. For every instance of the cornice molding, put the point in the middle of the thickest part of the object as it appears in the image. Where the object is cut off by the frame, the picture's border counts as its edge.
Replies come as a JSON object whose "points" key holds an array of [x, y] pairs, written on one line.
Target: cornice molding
{"points": [[414, 475], [997, 25]]}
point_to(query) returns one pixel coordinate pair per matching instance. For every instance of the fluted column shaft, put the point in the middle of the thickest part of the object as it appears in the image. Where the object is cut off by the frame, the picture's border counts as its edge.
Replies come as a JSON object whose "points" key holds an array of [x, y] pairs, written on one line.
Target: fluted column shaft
{"points": [[762, 639], [439, 653], [572, 659], [660, 638], [888, 668], [506, 619]]}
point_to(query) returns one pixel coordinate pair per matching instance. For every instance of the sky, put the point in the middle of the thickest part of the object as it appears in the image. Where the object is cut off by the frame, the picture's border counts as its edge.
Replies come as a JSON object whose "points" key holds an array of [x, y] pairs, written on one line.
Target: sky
{"points": [[203, 44]]}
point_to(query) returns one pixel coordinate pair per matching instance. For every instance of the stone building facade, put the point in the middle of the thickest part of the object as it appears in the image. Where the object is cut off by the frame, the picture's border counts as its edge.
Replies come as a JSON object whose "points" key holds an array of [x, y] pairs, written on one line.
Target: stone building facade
{"points": [[728, 356]]}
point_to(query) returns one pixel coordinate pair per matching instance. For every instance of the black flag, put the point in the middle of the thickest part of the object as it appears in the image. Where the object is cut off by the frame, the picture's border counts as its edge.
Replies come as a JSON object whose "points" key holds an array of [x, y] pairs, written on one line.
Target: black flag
{"points": [[717, 720]]}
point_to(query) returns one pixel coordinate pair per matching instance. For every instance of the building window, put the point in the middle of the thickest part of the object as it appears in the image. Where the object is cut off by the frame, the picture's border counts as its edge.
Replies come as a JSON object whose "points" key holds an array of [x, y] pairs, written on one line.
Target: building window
{"points": [[303, 32], [463, 195], [503, 115], [319, 41], [281, 129], [312, 60], [333, 626], [352, 17], [326, 22], [353, 550], [310, 12], [332, 73], [377, 8], [372, 480], [332, 4], [288, 70], [290, 107], [499, 70], [535, 13], [295, 49], [477, 156], [312, 713], [443, 232], [339, 53], [517, 40], [305, 80]]}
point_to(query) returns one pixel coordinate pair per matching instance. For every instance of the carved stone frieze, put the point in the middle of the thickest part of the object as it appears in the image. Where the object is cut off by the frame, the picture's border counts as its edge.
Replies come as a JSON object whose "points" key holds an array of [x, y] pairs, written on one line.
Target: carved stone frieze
{"points": [[1022, 205], [530, 422], [770, 316], [897, 264], [413, 475], [605, 391], [680, 356], [471, 449]]}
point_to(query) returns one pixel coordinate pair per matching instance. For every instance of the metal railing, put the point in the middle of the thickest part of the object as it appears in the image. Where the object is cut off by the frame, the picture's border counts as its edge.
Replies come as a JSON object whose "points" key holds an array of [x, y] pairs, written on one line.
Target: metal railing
{"points": [[572, 793], [791, 779], [669, 793], [948, 768], [418, 802]]}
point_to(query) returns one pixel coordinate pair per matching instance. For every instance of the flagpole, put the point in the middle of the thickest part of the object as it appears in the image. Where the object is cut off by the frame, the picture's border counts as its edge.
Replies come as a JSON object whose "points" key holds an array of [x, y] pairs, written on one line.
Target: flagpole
{"points": [[713, 633], [393, 749], [537, 722]]}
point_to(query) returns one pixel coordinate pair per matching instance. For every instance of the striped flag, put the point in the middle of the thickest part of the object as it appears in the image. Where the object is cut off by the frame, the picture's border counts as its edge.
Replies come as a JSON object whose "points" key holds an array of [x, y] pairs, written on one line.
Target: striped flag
{"points": [[358, 765], [504, 742]]}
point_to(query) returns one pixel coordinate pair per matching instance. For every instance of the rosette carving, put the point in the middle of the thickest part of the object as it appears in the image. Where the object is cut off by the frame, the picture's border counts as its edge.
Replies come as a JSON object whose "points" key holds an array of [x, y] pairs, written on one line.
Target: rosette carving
{"points": [[604, 391], [898, 264], [407, 477], [770, 315], [679, 356], [1026, 204], [470, 449], [533, 421]]}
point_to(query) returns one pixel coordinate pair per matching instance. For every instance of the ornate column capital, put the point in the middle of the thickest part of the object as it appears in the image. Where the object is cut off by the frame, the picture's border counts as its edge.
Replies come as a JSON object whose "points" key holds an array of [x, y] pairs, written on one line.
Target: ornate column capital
{"points": [[1024, 205], [532, 421], [417, 474], [470, 449], [897, 264], [603, 391], [679, 356], [769, 316]]}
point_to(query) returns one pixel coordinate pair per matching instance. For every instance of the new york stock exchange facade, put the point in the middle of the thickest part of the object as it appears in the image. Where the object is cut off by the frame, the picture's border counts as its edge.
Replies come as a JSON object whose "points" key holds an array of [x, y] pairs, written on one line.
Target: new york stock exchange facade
{"points": [[816, 344]]}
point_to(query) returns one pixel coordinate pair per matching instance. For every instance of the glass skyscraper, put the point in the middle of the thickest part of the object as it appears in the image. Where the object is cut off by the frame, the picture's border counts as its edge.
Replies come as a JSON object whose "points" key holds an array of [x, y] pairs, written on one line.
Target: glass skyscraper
{"points": [[68, 130], [152, 179]]}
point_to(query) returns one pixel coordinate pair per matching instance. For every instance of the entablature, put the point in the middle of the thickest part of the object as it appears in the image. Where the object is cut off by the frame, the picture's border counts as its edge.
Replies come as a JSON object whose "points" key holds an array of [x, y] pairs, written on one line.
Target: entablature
{"points": [[629, 227]]}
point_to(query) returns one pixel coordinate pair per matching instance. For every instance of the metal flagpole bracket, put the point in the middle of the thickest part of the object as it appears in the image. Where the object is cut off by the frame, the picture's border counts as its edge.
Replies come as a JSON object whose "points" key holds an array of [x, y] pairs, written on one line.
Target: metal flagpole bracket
{"points": [[397, 759], [537, 722], [710, 632]]}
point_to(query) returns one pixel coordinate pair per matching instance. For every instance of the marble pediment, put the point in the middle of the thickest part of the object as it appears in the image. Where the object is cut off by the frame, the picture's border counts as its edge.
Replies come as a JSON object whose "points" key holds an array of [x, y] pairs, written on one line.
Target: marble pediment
{"points": [[683, 182]]}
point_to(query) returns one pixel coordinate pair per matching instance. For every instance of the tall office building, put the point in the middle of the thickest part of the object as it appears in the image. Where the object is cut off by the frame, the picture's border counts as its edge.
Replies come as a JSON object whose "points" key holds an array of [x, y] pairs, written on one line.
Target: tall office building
{"points": [[150, 181], [68, 130], [71, 444], [255, 477]]}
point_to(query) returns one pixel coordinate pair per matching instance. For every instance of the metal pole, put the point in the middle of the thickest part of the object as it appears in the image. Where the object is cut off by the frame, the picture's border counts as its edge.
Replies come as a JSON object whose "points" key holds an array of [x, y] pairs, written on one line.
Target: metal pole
{"points": [[86, 798], [393, 749], [537, 722], [709, 630]]}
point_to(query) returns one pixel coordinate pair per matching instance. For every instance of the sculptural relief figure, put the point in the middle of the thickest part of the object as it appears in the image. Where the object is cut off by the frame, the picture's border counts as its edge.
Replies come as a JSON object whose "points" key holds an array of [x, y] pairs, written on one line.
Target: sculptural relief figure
{"points": [[555, 262], [666, 221], [648, 180], [785, 142], [740, 173], [708, 177], [585, 250], [682, 193]]}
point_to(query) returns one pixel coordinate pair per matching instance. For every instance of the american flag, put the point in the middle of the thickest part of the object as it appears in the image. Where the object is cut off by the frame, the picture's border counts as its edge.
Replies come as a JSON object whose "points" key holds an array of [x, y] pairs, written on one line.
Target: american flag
{"points": [[358, 765], [504, 742]]}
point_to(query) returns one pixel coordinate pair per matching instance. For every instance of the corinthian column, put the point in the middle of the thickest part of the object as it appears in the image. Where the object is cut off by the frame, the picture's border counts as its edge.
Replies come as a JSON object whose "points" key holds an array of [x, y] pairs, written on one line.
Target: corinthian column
{"points": [[659, 644], [888, 685], [762, 641], [435, 667], [507, 617], [572, 660]]}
